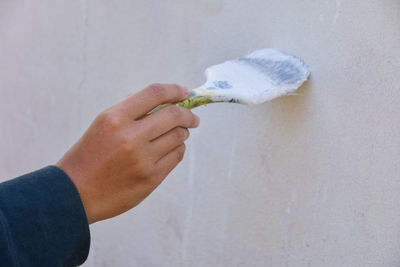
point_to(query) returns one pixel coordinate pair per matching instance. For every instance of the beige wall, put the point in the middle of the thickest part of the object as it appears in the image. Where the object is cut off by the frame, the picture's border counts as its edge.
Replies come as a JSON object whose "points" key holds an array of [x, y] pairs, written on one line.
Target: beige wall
{"points": [[310, 180]]}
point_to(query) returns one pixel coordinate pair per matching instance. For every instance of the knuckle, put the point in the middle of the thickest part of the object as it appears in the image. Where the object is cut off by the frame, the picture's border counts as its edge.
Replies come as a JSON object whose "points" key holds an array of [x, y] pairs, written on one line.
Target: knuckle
{"points": [[140, 129], [178, 90], [153, 181], [175, 112], [181, 133], [157, 90], [125, 143], [143, 169], [110, 119], [180, 153]]}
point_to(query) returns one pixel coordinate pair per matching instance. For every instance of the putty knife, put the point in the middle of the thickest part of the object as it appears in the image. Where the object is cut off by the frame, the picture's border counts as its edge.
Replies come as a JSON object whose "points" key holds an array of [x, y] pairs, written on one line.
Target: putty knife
{"points": [[253, 79]]}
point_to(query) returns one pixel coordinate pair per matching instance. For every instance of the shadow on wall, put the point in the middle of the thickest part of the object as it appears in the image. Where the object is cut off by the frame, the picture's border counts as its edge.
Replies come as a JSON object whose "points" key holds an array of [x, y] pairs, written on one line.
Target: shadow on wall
{"points": [[286, 115], [292, 110]]}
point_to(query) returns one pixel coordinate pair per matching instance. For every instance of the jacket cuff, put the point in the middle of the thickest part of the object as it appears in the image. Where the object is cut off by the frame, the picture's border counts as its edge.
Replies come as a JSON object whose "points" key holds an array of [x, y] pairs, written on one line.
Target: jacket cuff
{"points": [[46, 219]]}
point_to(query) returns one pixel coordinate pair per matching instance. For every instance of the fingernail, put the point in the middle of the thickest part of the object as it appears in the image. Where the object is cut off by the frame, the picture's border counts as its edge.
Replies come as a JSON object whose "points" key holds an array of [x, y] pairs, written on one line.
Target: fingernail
{"points": [[186, 90], [197, 120]]}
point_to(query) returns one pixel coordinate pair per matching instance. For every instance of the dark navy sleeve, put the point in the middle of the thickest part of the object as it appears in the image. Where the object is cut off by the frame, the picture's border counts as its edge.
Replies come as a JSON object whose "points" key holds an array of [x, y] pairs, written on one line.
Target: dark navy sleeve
{"points": [[42, 221]]}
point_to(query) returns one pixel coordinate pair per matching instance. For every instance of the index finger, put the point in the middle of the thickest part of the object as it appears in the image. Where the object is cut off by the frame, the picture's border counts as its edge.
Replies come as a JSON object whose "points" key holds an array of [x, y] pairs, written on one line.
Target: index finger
{"points": [[142, 102]]}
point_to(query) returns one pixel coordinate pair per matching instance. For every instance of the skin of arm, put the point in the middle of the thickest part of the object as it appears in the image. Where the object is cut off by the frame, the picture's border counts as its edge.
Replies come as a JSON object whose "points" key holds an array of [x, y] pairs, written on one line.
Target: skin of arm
{"points": [[124, 154]]}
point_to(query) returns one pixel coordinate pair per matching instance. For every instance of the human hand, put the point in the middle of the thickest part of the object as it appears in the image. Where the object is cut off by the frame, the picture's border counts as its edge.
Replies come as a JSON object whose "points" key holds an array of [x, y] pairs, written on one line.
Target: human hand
{"points": [[124, 155]]}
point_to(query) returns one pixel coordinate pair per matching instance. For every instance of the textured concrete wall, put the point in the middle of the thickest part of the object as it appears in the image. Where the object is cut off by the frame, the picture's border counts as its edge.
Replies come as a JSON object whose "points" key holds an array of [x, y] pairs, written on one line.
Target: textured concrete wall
{"points": [[310, 180]]}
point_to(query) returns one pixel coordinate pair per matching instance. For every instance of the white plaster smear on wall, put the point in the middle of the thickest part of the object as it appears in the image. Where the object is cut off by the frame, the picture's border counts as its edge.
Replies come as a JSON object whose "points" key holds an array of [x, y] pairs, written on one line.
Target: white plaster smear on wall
{"points": [[311, 180]]}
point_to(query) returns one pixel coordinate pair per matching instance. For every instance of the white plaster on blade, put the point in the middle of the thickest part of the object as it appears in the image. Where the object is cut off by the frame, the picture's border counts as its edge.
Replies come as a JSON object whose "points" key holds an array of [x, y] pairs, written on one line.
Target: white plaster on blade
{"points": [[256, 78]]}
